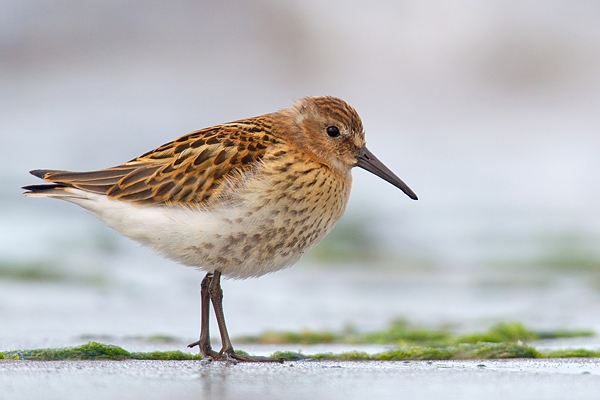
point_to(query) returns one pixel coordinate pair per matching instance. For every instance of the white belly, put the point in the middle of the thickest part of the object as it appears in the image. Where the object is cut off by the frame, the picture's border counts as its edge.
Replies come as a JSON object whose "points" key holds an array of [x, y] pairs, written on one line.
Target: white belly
{"points": [[255, 237]]}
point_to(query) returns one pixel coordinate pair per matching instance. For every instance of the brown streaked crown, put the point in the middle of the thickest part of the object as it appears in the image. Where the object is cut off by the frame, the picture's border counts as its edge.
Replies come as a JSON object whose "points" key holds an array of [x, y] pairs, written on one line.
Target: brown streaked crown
{"points": [[313, 115]]}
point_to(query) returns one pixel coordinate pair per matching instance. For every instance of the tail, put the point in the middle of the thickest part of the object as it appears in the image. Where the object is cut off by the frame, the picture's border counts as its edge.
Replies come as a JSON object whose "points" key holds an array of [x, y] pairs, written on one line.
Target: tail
{"points": [[48, 190]]}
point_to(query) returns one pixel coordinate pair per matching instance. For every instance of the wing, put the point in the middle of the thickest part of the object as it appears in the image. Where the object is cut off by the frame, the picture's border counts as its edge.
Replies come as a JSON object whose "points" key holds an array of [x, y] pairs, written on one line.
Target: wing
{"points": [[196, 169]]}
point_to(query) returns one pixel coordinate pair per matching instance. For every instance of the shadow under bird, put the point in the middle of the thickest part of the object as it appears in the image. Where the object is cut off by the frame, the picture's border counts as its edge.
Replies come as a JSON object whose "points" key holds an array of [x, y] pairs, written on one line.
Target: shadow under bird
{"points": [[240, 199]]}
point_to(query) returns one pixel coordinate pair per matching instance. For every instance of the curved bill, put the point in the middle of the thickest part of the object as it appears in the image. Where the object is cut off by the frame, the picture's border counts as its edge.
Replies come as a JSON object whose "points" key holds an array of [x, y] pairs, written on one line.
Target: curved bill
{"points": [[366, 160]]}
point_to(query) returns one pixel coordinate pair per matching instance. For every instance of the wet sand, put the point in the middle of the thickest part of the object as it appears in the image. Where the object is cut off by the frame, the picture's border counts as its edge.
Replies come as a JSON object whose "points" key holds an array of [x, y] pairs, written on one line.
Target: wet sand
{"points": [[490, 379]]}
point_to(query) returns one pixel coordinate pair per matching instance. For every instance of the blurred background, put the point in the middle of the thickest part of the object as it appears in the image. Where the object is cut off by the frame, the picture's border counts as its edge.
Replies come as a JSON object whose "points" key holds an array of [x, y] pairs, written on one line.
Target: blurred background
{"points": [[489, 110]]}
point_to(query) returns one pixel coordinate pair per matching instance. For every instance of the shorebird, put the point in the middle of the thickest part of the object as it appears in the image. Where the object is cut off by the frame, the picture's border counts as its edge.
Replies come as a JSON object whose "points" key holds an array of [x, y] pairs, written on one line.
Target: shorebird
{"points": [[240, 199]]}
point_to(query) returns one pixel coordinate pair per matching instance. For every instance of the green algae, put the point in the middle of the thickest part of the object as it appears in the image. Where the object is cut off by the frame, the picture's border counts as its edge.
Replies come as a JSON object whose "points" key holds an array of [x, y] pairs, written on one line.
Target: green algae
{"points": [[303, 337], [88, 351], [165, 355], [399, 332], [353, 239], [289, 355], [464, 351], [501, 341], [504, 332], [460, 352], [46, 271], [96, 351], [31, 271], [572, 353], [565, 334], [155, 338], [559, 251], [570, 251]]}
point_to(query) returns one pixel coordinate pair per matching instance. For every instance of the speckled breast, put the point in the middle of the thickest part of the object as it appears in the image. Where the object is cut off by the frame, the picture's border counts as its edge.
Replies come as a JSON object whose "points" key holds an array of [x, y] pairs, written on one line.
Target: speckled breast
{"points": [[278, 216]]}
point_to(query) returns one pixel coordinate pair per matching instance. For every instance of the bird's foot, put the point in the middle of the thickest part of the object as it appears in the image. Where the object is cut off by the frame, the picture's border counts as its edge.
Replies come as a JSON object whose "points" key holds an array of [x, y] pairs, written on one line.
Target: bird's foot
{"points": [[229, 355], [208, 353]]}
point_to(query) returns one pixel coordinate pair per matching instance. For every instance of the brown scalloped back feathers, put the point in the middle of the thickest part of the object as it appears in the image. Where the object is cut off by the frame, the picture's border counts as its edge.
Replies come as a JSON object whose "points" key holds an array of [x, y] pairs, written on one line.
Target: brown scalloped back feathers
{"points": [[189, 170]]}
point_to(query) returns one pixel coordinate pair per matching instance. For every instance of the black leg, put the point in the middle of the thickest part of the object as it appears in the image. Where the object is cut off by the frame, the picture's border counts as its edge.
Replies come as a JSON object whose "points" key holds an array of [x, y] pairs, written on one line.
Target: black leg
{"points": [[216, 296], [204, 341]]}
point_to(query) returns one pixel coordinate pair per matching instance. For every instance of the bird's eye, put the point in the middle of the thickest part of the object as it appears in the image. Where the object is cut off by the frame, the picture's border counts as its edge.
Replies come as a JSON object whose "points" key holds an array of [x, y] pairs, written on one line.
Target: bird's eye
{"points": [[333, 131]]}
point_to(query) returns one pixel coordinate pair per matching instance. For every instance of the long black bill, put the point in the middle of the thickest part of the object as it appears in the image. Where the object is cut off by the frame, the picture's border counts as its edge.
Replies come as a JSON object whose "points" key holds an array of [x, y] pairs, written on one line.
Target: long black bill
{"points": [[368, 161]]}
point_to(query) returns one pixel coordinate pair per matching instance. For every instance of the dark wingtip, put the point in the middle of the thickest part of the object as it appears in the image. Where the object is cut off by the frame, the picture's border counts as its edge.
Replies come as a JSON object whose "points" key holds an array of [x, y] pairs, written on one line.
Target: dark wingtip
{"points": [[40, 173]]}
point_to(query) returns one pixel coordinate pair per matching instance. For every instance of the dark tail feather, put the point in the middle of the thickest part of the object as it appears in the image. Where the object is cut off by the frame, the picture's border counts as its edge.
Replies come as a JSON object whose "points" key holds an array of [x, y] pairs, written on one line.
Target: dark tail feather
{"points": [[111, 174], [41, 188]]}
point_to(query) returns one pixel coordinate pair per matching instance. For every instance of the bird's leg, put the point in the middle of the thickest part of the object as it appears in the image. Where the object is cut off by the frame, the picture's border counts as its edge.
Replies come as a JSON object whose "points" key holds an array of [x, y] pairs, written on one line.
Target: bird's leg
{"points": [[204, 341], [216, 296], [227, 352]]}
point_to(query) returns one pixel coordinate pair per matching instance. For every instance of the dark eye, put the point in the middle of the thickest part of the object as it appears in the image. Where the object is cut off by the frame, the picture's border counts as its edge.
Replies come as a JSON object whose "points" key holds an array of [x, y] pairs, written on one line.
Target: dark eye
{"points": [[333, 131]]}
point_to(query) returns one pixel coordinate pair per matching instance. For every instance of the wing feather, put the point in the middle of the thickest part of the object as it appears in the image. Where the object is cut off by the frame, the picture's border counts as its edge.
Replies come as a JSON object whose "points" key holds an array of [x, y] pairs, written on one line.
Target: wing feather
{"points": [[192, 169]]}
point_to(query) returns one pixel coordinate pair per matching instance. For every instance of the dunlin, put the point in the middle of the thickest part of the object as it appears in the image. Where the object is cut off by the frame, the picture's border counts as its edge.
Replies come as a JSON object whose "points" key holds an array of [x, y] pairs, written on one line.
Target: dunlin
{"points": [[240, 199]]}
